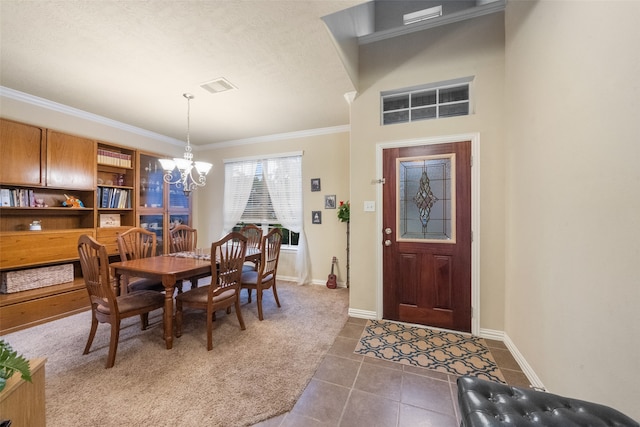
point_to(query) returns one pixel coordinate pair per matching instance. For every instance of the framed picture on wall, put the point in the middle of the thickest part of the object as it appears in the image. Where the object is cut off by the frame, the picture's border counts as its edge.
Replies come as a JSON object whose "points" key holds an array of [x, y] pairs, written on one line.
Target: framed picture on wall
{"points": [[316, 217], [315, 184], [330, 201]]}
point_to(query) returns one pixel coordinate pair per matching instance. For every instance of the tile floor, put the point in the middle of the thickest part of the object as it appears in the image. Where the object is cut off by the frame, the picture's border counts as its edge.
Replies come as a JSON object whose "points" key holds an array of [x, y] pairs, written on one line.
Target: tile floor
{"points": [[350, 390]]}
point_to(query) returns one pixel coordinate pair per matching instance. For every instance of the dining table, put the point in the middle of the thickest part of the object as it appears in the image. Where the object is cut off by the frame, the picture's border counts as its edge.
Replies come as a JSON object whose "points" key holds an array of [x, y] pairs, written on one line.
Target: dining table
{"points": [[170, 269]]}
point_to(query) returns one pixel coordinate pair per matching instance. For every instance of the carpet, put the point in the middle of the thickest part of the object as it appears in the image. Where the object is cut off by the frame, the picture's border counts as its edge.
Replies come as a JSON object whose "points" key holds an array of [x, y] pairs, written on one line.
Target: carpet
{"points": [[249, 376], [442, 351]]}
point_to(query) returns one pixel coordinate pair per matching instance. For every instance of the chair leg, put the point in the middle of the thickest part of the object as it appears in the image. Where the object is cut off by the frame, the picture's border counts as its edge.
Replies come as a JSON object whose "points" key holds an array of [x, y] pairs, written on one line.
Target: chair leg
{"points": [[113, 344], [275, 293], [144, 320], [239, 313], [249, 294], [178, 318], [259, 292], [210, 330], [92, 332]]}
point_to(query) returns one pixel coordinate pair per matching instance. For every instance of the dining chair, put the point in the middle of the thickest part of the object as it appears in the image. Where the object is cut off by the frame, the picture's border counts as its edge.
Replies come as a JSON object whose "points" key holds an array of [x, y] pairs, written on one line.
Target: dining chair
{"points": [[253, 234], [183, 238], [136, 243], [265, 277], [106, 307], [227, 257]]}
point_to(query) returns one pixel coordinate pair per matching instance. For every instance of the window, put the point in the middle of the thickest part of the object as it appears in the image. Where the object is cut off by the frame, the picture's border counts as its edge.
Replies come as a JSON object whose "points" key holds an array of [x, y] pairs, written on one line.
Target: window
{"points": [[259, 208], [260, 211], [443, 99]]}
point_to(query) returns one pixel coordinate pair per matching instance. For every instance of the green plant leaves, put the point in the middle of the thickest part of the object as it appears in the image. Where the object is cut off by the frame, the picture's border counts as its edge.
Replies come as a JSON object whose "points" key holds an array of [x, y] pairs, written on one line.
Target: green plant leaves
{"points": [[10, 362]]}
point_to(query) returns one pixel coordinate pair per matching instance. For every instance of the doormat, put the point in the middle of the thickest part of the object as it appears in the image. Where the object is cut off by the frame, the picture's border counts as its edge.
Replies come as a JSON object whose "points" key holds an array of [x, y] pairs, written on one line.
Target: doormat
{"points": [[442, 351]]}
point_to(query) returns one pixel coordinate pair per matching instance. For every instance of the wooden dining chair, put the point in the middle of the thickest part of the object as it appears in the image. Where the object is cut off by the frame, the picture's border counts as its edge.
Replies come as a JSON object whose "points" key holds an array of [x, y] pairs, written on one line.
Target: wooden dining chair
{"points": [[227, 257], [183, 238], [253, 234], [265, 277], [137, 243], [106, 307]]}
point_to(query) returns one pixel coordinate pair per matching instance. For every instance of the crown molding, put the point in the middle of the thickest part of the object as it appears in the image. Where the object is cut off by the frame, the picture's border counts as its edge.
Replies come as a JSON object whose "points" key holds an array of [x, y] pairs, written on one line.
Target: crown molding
{"points": [[70, 111], [9, 93], [280, 137]]}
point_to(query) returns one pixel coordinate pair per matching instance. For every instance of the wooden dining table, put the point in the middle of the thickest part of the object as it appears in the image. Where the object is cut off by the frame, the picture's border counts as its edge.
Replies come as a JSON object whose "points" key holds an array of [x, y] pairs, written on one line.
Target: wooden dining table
{"points": [[170, 269]]}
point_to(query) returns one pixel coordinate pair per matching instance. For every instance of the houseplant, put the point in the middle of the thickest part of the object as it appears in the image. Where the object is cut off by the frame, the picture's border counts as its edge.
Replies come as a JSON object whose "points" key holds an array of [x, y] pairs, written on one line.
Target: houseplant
{"points": [[10, 362], [344, 215]]}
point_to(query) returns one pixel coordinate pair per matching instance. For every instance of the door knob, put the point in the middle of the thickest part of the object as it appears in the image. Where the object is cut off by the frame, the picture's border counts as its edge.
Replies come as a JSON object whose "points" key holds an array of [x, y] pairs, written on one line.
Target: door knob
{"points": [[387, 242], [387, 230]]}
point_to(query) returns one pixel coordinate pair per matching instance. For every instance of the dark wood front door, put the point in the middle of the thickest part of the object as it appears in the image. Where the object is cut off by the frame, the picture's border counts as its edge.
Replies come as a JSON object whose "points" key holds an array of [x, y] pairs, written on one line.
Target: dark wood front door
{"points": [[426, 235]]}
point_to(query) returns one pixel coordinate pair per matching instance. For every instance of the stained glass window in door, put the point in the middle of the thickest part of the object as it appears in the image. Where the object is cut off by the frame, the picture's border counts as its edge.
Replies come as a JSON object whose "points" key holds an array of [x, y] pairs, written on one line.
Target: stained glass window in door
{"points": [[426, 195]]}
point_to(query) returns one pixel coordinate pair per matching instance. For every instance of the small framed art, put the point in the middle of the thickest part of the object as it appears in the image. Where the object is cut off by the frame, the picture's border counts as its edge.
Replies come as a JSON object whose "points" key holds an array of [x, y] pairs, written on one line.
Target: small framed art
{"points": [[315, 184], [330, 201], [316, 217]]}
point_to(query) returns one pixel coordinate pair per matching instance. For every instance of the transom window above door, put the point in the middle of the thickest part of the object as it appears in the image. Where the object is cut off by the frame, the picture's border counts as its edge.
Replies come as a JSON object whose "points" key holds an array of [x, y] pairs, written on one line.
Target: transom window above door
{"points": [[431, 101]]}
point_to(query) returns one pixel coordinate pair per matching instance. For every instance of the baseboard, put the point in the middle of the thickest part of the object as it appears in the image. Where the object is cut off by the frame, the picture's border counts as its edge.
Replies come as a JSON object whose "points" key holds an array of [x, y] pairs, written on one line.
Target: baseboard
{"points": [[526, 368], [362, 314]]}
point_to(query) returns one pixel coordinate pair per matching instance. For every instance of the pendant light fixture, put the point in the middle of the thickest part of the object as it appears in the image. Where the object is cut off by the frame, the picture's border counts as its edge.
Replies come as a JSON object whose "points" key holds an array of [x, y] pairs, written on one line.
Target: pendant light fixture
{"points": [[185, 165]]}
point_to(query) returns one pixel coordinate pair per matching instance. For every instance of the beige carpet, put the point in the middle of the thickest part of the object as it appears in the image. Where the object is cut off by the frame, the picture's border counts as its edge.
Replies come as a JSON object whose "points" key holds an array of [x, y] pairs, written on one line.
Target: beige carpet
{"points": [[249, 375]]}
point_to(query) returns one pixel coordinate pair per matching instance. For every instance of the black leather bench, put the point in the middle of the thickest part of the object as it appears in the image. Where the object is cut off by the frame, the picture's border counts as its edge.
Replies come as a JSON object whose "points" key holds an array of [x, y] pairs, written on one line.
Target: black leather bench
{"points": [[486, 403]]}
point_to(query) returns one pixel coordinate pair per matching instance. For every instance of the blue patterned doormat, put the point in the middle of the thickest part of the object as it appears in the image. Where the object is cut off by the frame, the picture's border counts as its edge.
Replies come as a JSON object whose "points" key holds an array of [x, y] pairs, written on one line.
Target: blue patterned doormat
{"points": [[442, 351]]}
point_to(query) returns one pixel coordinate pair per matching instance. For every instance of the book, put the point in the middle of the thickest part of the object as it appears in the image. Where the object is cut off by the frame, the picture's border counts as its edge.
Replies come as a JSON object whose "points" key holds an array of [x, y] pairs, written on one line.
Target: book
{"points": [[5, 197]]}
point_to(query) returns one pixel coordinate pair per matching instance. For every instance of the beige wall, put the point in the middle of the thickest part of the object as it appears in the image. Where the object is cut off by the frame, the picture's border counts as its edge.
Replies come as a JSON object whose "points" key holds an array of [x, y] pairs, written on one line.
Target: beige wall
{"points": [[325, 157], [573, 191], [473, 48]]}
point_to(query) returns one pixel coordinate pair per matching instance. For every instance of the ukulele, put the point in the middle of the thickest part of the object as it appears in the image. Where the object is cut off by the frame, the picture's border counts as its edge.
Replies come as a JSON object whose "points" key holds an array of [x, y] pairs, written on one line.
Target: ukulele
{"points": [[331, 281]]}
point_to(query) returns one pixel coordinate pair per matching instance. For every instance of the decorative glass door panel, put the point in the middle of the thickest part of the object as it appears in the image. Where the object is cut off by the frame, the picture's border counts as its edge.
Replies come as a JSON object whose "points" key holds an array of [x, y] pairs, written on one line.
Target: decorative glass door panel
{"points": [[155, 224], [151, 182], [426, 198]]}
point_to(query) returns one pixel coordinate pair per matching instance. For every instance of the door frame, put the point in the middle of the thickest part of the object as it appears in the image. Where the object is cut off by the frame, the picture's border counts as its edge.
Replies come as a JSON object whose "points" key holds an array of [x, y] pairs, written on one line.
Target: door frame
{"points": [[475, 215]]}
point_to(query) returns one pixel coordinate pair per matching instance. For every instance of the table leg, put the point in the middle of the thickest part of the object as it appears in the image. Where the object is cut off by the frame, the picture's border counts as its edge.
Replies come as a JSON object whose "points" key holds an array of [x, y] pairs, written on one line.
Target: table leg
{"points": [[169, 282]]}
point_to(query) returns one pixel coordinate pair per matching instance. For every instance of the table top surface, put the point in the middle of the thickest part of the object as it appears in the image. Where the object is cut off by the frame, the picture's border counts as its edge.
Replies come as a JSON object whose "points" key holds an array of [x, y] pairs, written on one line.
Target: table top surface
{"points": [[176, 263]]}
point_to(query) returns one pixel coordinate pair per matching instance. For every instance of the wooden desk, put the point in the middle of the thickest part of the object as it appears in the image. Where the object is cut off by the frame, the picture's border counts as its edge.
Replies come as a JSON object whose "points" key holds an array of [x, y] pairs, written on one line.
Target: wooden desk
{"points": [[167, 268]]}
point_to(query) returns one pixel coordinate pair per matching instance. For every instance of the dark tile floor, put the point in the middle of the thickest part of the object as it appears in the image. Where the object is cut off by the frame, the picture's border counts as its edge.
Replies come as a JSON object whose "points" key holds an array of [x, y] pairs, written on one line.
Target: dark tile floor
{"points": [[350, 390]]}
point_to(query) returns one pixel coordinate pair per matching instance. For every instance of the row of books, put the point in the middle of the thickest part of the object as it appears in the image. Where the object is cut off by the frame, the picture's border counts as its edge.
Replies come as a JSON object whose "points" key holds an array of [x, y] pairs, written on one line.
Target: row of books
{"points": [[106, 157], [17, 197], [115, 198]]}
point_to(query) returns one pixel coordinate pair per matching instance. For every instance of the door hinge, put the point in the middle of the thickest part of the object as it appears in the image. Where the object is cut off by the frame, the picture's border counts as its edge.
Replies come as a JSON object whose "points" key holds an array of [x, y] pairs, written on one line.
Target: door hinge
{"points": [[471, 235], [471, 160]]}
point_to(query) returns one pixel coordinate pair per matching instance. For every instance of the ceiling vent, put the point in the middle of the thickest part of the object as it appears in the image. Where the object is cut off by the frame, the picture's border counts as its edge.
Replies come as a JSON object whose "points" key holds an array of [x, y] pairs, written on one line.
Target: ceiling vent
{"points": [[421, 15], [218, 85]]}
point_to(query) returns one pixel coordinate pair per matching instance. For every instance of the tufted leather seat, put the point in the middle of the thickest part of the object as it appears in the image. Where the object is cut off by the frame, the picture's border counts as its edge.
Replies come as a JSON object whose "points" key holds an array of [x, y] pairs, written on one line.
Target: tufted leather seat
{"points": [[485, 403]]}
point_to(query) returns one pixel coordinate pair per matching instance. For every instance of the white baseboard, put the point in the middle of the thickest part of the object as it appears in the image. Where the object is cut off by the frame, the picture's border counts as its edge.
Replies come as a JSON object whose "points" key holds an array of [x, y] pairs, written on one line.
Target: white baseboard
{"points": [[362, 314], [526, 368]]}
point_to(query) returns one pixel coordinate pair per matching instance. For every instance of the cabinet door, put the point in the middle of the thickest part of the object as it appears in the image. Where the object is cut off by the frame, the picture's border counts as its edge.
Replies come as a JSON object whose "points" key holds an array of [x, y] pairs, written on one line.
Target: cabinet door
{"points": [[71, 161], [22, 159]]}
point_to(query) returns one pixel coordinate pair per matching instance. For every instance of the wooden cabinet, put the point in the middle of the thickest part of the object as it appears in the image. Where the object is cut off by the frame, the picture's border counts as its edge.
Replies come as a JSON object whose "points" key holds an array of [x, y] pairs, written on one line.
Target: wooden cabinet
{"points": [[71, 161], [161, 206], [23, 154], [41, 166]]}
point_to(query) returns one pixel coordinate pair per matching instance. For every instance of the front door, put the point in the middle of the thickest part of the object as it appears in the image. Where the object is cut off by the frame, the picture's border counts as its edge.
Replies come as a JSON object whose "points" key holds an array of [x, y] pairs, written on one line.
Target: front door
{"points": [[427, 235]]}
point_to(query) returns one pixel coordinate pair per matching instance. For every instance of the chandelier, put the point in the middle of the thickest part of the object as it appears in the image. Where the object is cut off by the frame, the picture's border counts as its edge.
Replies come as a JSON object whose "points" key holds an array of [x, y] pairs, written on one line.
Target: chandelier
{"points": [[185, 165]]}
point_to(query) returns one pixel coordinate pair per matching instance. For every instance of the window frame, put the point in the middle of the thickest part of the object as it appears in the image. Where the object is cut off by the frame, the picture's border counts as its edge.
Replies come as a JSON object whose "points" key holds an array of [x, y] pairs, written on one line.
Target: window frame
{"points": [[405, 99]]}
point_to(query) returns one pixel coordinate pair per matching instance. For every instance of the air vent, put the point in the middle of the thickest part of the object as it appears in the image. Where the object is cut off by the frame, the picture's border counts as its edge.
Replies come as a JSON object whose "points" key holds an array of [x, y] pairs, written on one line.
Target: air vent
{"points": [[421, 15], [218, 85]]}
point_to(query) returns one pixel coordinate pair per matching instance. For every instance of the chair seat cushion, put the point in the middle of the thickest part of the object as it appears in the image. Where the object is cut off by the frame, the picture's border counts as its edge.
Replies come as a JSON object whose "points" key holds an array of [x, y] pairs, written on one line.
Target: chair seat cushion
{"points": [[200, 295], [251, 278], [142, 284], [135, 301], [485, 403]]}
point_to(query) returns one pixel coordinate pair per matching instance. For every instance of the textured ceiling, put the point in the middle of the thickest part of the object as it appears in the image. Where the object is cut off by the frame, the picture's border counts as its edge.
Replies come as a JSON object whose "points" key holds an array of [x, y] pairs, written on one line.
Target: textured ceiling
{"points": [[131, 61]]}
